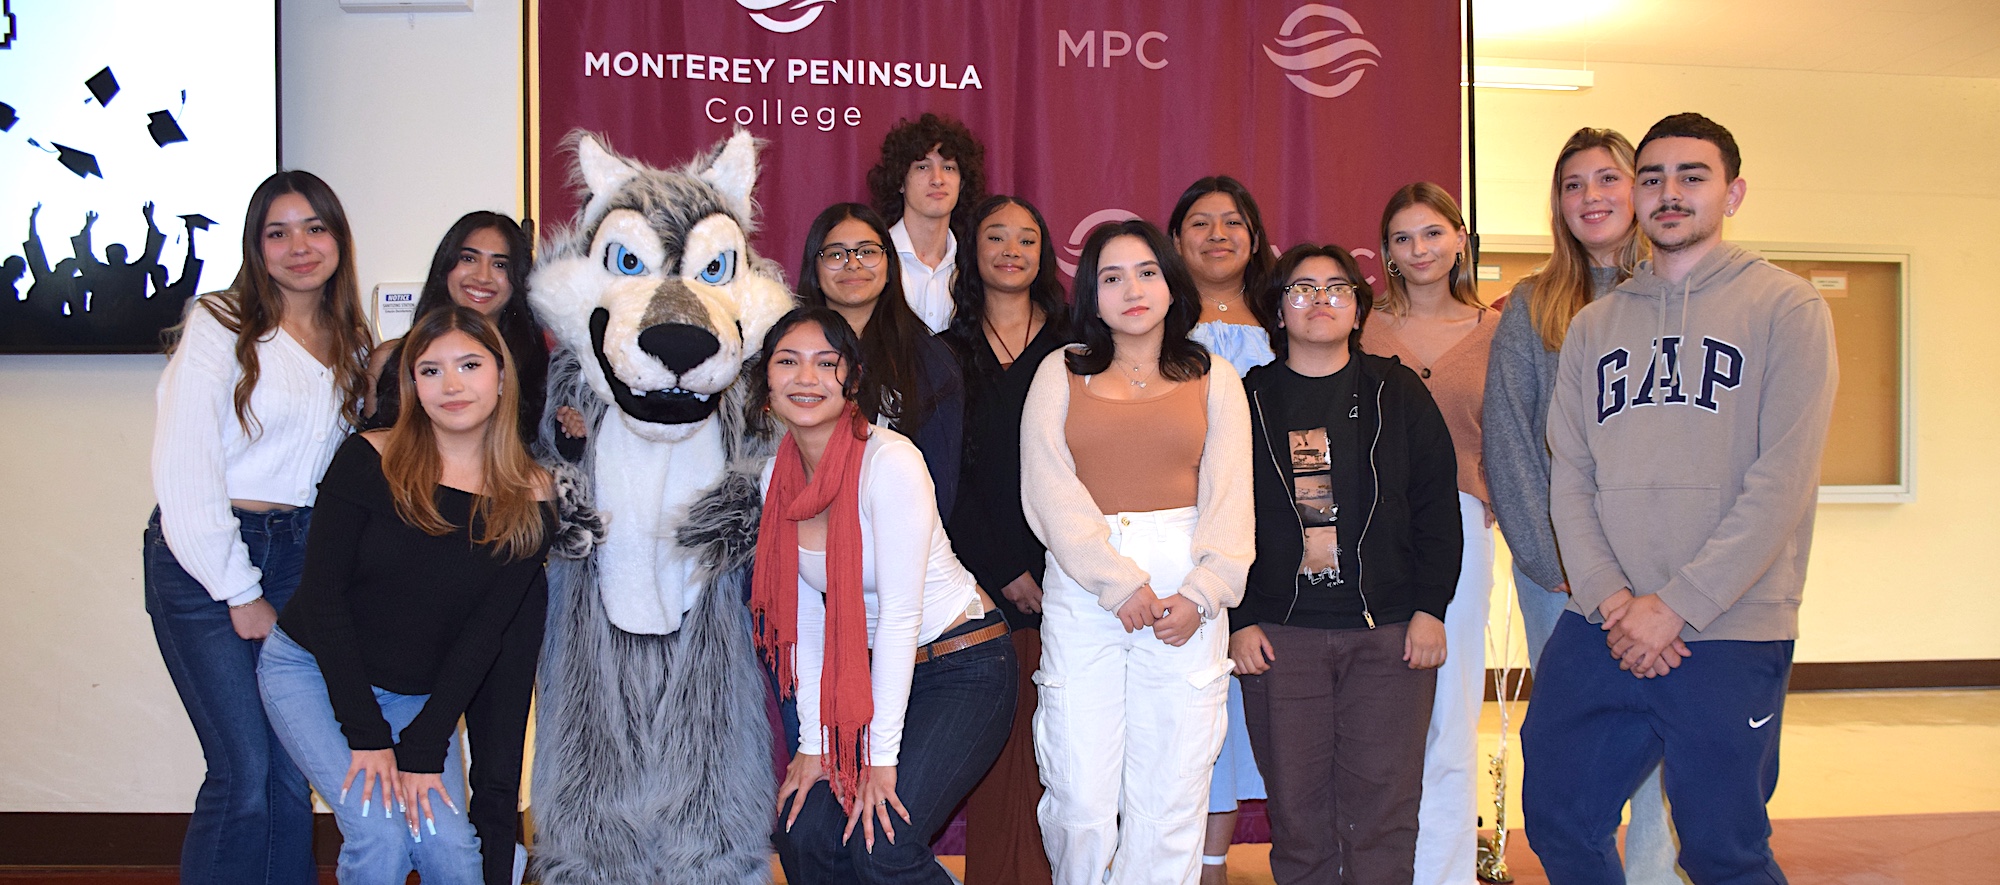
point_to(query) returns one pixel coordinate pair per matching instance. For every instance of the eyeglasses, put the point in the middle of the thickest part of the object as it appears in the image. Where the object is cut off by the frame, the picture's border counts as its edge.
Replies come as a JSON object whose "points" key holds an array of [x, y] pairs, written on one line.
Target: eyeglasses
{"points": [[868, 254], [1304, 295]]}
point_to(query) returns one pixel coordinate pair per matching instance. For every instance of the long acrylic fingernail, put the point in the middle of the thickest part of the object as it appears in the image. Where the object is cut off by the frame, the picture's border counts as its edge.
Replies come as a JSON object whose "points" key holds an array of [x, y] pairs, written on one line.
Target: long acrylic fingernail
{"points": [[414, 833], [364, 808], [400, 808], [433, 824], [343, 795]]}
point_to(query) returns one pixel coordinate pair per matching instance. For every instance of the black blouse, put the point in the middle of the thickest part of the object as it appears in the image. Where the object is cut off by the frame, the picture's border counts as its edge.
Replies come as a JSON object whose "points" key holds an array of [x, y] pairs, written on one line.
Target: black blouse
{"points": [[381, 603], [988, 530]]}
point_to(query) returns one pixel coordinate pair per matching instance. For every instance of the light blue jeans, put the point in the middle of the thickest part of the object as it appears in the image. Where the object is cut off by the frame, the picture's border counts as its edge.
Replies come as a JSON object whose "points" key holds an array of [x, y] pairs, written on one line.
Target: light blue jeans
{"points": [[375, 847], [1649, 840]]}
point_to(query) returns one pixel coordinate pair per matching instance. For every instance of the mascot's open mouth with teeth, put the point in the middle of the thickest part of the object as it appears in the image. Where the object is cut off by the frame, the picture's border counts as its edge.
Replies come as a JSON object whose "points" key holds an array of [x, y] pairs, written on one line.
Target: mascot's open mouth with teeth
{"points": [[670, 406]]}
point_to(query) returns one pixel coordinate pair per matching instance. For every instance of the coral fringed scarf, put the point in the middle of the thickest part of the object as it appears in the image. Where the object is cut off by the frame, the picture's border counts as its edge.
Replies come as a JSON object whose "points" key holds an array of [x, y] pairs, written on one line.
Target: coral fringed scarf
{"points": [[846, 698]]}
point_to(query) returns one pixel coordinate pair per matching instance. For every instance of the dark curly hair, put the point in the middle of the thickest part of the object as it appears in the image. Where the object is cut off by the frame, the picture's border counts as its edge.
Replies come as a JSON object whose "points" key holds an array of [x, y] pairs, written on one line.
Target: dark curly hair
{"points": [[909, 141]]}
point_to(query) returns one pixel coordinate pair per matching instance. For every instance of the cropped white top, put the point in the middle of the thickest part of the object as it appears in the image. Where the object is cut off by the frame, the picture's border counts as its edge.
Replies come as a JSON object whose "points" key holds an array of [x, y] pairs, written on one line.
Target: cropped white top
{"points": [[202, 457]]}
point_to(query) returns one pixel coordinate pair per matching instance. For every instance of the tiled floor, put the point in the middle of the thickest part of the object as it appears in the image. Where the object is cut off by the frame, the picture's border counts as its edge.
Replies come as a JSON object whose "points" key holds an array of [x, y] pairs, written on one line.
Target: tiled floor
{"points": [[1879, 788]]}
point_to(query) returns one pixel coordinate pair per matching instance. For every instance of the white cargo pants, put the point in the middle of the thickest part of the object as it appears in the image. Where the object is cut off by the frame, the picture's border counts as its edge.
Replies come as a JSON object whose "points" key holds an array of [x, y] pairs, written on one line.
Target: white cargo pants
{"points": [[1128, 727]]}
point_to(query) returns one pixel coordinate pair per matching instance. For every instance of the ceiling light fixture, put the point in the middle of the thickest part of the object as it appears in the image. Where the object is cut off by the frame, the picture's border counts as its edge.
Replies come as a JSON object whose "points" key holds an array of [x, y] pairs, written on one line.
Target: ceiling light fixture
{"points": [[1546, 79]]}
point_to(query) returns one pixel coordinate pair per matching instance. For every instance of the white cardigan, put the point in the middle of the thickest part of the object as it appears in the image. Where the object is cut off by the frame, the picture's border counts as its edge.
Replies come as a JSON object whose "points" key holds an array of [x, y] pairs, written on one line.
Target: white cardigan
{"points": [[912, 586], [202, 458]]}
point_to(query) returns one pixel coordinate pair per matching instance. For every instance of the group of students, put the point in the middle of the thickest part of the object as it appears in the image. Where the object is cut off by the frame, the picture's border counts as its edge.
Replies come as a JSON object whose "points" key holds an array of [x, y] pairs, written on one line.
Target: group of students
{"points": [[1015, 542]]}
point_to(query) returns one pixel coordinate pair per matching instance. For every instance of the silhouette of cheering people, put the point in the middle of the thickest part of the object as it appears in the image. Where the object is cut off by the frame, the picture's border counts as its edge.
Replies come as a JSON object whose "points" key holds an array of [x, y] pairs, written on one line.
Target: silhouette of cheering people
{"points": [[114, 283]]}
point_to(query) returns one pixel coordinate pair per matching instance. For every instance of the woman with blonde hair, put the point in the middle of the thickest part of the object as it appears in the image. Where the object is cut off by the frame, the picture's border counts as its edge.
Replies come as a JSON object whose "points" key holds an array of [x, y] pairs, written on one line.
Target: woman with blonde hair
{"points": [[1430, 317], [261, 385], [425, 554], [1596, 246]]}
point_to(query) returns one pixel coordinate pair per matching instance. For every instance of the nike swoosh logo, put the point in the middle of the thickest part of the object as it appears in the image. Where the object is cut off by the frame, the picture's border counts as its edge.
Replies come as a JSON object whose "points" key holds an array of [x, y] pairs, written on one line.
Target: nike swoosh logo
{"points": [[1759, 723]]}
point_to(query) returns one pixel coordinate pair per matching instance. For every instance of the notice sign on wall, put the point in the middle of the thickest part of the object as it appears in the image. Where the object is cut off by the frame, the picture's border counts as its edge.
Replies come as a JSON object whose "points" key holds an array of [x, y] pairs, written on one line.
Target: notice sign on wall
{"points": [[1092, 109]]}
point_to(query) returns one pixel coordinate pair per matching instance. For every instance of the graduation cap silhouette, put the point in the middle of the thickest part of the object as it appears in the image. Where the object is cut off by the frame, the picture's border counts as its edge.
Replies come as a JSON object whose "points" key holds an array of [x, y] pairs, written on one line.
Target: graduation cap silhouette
{"points": [[164, 128], [7, 116], [102, 86], [198, 221], [83, 163]]}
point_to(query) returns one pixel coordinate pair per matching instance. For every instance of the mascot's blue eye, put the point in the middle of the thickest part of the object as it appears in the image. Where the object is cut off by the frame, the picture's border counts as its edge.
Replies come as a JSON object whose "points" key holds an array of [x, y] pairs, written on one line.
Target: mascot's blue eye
{"points": [[621, 260], [721, 270]]}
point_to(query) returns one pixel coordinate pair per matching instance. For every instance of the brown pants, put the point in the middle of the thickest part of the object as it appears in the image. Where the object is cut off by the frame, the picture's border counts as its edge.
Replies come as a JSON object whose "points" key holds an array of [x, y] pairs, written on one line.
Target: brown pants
{"points": [[1003, 843], [1337, 725]]}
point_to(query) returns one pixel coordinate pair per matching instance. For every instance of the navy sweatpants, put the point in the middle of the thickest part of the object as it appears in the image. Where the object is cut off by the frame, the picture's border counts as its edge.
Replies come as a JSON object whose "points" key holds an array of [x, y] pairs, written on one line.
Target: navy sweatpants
{"points": [[1594, 731]]}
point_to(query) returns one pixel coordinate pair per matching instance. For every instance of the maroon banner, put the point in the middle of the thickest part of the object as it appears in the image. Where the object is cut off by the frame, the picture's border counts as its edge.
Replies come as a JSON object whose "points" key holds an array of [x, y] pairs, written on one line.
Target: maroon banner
{"points": [[1091, 109]]}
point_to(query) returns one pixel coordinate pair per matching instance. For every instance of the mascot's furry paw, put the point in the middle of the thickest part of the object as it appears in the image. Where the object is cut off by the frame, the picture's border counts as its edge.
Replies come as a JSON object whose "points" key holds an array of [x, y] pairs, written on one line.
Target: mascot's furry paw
{"points": [[652, 747]]}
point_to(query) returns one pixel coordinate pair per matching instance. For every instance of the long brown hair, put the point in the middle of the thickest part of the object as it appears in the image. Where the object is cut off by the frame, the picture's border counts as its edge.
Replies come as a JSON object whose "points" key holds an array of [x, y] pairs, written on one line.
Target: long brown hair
{"points": [[505, 511], [1464, 282], [1562, 287], [252, 306]]}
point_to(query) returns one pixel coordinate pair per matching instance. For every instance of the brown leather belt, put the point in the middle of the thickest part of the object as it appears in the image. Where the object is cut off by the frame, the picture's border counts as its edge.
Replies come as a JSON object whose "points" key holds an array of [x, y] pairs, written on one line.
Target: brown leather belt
{"points": [[960, 642]]}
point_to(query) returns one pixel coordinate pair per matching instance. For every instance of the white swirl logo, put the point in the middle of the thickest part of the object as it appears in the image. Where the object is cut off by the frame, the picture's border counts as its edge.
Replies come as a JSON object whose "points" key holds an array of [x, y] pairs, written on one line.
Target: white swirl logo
{"points": [[1347, 55], [1072, 251], [807, 12]]}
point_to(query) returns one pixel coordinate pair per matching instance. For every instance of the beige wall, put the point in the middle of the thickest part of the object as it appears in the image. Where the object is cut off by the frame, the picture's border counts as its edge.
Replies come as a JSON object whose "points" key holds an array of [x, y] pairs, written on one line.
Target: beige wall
{"points": [[415, 120], [1842, 159]]}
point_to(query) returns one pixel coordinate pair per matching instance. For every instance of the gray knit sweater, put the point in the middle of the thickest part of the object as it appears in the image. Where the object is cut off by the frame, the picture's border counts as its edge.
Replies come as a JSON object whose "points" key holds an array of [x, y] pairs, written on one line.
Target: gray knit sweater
{"points": [[1520, 378]]}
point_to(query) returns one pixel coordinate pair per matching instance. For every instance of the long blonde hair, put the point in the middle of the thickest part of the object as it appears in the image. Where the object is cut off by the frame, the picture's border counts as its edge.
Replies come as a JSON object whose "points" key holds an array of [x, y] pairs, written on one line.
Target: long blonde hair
{"points": [[505, 511], [1395, 298], [252, 306], [1562, 287]]}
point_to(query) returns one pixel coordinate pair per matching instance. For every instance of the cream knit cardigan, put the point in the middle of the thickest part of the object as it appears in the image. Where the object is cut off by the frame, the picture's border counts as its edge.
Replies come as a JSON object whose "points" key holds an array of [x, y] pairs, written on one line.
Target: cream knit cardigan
{"points": [[1062, 513]]}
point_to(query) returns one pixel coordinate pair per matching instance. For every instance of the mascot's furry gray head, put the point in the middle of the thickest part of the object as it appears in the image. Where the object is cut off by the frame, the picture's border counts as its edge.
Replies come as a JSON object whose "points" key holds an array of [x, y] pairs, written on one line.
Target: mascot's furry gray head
{"points": [[657, 284], [656, 293], [652, 748]]}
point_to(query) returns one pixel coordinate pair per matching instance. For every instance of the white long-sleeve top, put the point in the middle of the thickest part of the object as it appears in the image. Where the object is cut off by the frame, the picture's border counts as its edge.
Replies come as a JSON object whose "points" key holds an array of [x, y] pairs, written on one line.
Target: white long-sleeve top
{"points": [[202, 458], [912, 585]]}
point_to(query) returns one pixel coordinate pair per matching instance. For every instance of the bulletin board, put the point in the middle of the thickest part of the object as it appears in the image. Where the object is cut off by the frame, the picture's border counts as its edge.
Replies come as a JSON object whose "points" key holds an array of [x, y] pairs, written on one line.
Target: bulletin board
{"points": [[1868, 458]]}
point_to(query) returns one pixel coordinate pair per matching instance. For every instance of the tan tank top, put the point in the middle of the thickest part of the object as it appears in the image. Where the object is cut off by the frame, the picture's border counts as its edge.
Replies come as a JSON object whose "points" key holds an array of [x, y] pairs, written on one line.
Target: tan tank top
{"points": [[1138, 455]]}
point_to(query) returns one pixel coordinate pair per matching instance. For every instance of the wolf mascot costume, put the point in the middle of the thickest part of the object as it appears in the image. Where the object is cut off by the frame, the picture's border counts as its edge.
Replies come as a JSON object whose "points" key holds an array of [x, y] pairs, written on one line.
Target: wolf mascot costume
{"points": [[652, 746]]}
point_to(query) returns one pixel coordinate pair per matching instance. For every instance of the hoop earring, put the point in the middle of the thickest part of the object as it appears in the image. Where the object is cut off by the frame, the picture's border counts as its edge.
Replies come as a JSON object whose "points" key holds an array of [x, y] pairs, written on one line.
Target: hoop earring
{"points": [[1394, 271]]}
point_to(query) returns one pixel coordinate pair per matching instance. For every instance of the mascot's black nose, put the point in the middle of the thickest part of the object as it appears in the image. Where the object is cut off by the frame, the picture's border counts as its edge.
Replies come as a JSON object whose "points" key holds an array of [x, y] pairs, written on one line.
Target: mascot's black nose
{"points": [[680, 346]]}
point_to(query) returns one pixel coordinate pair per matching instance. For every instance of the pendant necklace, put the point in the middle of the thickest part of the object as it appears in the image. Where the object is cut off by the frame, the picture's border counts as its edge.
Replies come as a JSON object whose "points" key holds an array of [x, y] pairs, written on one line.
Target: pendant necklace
{"points": [[1132, 371], [1222, 306], [1027, 334]]}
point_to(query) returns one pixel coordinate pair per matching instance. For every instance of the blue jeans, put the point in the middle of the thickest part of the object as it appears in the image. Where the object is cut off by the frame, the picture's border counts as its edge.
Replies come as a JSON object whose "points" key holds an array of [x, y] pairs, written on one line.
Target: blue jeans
{"points": [[1593, 733], [252, 819], [1649, 841], [961, 708], [376, 846]]}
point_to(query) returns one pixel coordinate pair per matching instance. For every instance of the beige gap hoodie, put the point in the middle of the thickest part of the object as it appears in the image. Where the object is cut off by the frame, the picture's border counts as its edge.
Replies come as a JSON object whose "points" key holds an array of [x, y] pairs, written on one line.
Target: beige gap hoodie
{"points": [[1686, 429]]}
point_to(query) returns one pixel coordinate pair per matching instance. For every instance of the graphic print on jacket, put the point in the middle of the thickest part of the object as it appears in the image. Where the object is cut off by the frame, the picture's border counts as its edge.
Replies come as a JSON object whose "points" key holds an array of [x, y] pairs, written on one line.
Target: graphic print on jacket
{"points": [[1660, 381], [1312, 493]]}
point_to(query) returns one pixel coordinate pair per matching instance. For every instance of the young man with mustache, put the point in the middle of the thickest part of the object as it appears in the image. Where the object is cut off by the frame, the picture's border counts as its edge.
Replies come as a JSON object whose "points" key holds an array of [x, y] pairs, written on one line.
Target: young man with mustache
{"points": [[1690, 409]]}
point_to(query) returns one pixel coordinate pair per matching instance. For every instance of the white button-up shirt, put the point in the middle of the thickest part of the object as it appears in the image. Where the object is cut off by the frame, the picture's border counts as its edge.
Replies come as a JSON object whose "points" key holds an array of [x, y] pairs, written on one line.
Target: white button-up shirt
{"points": [[928, 289]]}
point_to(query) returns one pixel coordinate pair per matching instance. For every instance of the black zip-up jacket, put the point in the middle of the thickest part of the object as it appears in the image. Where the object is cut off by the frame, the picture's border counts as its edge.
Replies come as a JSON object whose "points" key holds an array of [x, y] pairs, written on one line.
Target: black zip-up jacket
{"points": [[1408, 538]]}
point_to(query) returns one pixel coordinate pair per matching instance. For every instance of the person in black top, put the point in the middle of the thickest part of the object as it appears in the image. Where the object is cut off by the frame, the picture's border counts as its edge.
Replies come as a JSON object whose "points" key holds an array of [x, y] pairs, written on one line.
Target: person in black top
{"points": [[422, 583], [1009, 312], [1341, 629]]}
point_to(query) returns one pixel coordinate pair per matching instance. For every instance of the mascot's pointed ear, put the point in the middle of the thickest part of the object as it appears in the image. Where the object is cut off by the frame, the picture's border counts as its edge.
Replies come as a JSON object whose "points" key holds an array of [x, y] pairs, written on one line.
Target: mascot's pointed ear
{"points": [[603, 173], [734, 172]]}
